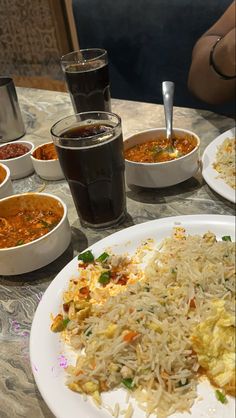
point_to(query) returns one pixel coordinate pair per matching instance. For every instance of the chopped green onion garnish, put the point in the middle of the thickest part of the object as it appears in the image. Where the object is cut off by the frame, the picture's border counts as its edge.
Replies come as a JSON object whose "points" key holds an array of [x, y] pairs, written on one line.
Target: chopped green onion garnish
{"points": [[180, 384], [86, 257], [65, 322], [226, 238], [220, 396], [173, 271], [128, 383], [105, 277], [20, 242], [88, 332], [103, 257]]}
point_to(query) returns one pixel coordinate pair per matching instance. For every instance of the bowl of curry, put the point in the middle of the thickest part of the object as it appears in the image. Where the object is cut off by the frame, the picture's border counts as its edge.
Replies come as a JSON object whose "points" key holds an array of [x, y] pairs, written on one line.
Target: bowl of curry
{"points": [[6, 188], [46, 162], [150, 162], [34, 231]]}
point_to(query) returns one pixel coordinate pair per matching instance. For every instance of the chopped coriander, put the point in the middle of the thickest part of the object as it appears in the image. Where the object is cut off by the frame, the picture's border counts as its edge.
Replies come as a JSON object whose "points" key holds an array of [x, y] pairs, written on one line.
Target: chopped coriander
{"points": [[103, 257], [20, 242], [45, 224], [173, 271], [220, 396], [86, 257], [226, 238], [127, 382], [105, 277]]}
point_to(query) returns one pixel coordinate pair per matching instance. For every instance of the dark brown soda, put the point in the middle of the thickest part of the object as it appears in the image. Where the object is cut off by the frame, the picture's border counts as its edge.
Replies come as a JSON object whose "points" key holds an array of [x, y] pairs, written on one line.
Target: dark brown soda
{"points": [[95, 173], [88, 84]]}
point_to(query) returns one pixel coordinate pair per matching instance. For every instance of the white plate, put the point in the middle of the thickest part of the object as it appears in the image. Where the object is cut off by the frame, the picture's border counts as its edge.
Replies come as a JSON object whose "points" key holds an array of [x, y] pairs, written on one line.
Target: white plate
{"points": [[47, 351], [210, 174]]}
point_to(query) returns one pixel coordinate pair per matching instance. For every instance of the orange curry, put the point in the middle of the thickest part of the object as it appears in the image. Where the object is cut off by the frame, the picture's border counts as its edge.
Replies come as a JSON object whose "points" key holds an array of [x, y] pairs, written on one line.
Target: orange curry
{"points": [[46, 152], [26, 226], [153, 151]]}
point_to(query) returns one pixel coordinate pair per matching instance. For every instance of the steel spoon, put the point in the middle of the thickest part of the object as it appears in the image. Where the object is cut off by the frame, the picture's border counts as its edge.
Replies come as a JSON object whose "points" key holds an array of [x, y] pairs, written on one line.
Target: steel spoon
{"points": [[168, 88]]}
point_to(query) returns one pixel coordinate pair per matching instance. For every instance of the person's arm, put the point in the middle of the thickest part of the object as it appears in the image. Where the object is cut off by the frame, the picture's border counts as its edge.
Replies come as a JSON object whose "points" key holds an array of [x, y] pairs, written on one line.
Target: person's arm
{"points": [[203, 81]]}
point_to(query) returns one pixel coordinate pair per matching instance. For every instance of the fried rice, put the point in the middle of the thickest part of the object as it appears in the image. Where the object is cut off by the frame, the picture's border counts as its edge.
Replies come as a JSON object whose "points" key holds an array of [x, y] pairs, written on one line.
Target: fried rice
{"points": [[140, 338], [225, 161]]}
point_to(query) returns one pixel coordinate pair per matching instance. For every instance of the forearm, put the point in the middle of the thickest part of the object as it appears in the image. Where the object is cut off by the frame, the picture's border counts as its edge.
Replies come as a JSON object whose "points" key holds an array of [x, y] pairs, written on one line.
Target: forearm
{"points": [[203, 81]]}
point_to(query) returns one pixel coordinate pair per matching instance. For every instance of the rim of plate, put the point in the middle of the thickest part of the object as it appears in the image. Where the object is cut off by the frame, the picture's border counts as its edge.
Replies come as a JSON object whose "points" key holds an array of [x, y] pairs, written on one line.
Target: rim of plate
{"points": [[208, 172]]}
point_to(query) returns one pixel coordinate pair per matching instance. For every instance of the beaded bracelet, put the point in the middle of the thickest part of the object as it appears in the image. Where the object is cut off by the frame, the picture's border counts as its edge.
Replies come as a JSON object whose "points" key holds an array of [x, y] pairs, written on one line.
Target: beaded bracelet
{"points": [[214, 66]]}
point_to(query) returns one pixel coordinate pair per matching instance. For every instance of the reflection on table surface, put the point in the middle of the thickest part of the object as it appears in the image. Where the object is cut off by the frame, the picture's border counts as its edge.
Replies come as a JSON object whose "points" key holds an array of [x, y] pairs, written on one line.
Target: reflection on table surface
{"points": [[19, 295]]}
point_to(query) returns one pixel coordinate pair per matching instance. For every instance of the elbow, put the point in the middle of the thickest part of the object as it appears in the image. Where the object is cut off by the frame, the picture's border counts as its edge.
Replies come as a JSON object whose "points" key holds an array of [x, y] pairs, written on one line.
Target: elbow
{"points": [[206, 92]]}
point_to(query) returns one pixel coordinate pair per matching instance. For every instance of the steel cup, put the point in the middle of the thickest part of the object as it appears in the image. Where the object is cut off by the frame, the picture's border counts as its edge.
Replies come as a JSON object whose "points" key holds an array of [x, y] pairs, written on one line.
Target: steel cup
{"points": [[11, 123]]}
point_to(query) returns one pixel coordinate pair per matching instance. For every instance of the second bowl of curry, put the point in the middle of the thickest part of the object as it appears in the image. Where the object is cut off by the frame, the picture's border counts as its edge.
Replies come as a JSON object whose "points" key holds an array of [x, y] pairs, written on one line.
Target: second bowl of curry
{"points": [[46, 162], [34, 231], [150, 163]]}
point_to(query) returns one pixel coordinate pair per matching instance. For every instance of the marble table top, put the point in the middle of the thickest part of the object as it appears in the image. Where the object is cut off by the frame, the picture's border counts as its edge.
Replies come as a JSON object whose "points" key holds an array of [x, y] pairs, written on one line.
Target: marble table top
{"points": [[19, 295]]}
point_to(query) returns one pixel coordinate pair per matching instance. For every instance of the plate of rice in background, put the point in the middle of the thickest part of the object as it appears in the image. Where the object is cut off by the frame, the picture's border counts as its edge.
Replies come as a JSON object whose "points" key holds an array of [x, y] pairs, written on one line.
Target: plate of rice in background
{"points": [[218, 165], [141, 324]]}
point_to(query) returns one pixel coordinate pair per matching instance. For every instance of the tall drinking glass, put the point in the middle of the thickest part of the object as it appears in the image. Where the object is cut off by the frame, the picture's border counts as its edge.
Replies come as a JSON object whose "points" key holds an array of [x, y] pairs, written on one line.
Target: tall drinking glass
{"points": [[90, 151], [87, 78]]}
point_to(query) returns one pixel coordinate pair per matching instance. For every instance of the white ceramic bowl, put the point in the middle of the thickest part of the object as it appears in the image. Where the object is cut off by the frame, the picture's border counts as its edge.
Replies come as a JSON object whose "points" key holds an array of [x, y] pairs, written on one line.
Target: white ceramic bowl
{"points": [[6, 188], [42, 251], [47, 169], [20, 166], [161, 174]]}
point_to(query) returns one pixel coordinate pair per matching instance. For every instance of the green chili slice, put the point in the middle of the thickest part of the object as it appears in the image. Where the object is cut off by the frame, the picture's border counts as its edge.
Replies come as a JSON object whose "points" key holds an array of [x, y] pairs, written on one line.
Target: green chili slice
{"points": [[86, 257]]}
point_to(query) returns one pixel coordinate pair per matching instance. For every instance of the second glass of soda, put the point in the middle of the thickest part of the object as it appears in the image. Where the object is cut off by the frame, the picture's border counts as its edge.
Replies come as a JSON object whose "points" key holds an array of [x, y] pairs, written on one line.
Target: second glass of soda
{"points": [[87, 77]]}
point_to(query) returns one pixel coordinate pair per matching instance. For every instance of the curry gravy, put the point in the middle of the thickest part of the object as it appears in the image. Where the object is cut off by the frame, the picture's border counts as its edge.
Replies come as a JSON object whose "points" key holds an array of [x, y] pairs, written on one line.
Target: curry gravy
{"points": [[149, 151]]}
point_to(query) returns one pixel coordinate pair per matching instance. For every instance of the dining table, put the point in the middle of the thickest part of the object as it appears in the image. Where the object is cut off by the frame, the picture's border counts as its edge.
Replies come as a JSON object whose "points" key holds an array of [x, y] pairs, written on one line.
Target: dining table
{"points": [[20, 294]]}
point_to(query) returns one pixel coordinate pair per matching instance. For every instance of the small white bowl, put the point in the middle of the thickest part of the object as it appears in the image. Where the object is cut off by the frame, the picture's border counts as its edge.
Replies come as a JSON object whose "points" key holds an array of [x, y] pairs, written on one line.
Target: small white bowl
{"points": [[161, 174], [47, 169], [6, 188], [20, 166], [42, 251]]}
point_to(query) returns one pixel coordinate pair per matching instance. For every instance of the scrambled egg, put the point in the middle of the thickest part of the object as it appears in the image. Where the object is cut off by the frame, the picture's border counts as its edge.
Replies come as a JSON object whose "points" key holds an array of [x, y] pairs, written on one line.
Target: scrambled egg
{"points": [[214, 342]]}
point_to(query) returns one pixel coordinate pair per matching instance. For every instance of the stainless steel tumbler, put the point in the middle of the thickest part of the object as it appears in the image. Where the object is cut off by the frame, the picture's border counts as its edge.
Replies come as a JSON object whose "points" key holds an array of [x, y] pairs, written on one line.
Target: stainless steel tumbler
{"points": [[11, 123]]}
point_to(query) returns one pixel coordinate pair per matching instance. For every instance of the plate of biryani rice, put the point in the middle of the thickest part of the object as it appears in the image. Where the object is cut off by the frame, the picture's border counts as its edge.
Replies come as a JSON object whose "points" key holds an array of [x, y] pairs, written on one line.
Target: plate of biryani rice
{"points": [[142, 324], [218, 165]]}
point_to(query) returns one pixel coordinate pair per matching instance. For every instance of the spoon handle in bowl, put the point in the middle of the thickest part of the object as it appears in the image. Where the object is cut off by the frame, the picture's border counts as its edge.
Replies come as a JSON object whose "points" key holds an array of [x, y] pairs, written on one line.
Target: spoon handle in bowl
{"points": [[168, 88]]}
